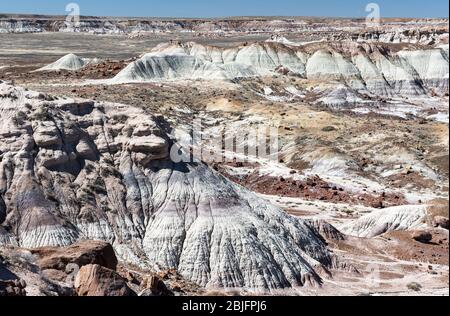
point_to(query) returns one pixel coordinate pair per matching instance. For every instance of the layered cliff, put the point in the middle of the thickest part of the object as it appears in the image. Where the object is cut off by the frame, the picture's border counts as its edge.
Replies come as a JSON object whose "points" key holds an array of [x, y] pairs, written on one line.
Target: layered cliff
{"points": [[391, 30], [371, 68]]}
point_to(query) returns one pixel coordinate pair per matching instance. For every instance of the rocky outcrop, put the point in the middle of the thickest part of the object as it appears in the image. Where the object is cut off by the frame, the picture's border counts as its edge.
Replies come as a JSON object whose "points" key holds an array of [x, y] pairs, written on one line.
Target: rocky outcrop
{"points": [[80, 254], [148, 148], [399, 35], [441, 221], [52, 271], [125, 190], [12, 288], [10, 284], [95, 280], [327, 231], [156, 287]]}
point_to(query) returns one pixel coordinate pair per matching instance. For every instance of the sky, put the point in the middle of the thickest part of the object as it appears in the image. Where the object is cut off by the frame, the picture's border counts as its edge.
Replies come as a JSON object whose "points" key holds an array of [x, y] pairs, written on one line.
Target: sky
{"points": [[226, 8]]}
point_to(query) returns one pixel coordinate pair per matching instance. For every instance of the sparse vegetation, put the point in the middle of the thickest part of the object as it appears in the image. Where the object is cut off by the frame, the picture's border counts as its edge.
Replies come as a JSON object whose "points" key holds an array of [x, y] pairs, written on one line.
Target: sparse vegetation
{"points": [[329, 129], [414, 286]]}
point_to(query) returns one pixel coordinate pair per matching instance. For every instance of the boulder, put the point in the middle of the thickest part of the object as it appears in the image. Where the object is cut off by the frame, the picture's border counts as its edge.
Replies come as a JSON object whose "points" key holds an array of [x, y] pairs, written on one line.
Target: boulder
{"points": [[13, 288], [146, 129], [441, 221], [156, 287], [52, 158], [152, 145], [95, 280], [47, 136], [78, 109], [148, 148], [81, 254], [422, 236], [85, 150]]}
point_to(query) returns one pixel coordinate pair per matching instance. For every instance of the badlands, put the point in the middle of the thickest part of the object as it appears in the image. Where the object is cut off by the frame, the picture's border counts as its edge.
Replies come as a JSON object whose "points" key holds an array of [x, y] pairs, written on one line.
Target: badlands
{"points": [[92, 203]]}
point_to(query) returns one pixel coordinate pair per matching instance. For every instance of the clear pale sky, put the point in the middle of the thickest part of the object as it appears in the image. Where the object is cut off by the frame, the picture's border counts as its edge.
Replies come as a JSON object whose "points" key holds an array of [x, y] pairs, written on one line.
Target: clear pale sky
{"points": [[223, 8]]}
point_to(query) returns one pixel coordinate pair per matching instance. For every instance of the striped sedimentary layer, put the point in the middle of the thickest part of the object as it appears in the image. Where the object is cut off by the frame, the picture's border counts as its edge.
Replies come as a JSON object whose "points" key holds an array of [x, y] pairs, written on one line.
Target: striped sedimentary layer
{"points": [[73, 170], [372, 68]]}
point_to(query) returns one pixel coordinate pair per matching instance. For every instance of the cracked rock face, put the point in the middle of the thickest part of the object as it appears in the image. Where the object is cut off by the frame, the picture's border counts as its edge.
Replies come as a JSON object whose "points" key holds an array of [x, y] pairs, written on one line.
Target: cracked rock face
{"points": [[75, 170], [81, 254], [95, 280]]}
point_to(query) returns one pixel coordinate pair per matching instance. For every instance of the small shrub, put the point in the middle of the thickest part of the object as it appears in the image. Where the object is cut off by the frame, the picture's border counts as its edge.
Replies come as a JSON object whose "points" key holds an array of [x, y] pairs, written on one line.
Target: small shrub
{"points": [[329, 129], [414, 286]]}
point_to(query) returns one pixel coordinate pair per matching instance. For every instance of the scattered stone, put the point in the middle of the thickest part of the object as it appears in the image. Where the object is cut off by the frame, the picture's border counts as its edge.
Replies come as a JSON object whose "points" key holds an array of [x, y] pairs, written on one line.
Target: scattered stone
{"points": [[95, 280], [329, 129], [423, 237], [156, 287], [442, 222], [82, 253], [13, 288]]}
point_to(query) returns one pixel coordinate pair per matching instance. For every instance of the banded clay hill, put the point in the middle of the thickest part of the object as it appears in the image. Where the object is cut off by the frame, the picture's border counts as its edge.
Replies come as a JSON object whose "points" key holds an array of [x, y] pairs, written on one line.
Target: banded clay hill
{"points": [[92, 202]]}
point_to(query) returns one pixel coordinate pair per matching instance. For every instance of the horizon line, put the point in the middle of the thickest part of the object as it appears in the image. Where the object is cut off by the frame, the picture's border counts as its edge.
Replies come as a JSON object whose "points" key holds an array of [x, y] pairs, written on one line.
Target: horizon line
{"points": [[224, 17]]}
